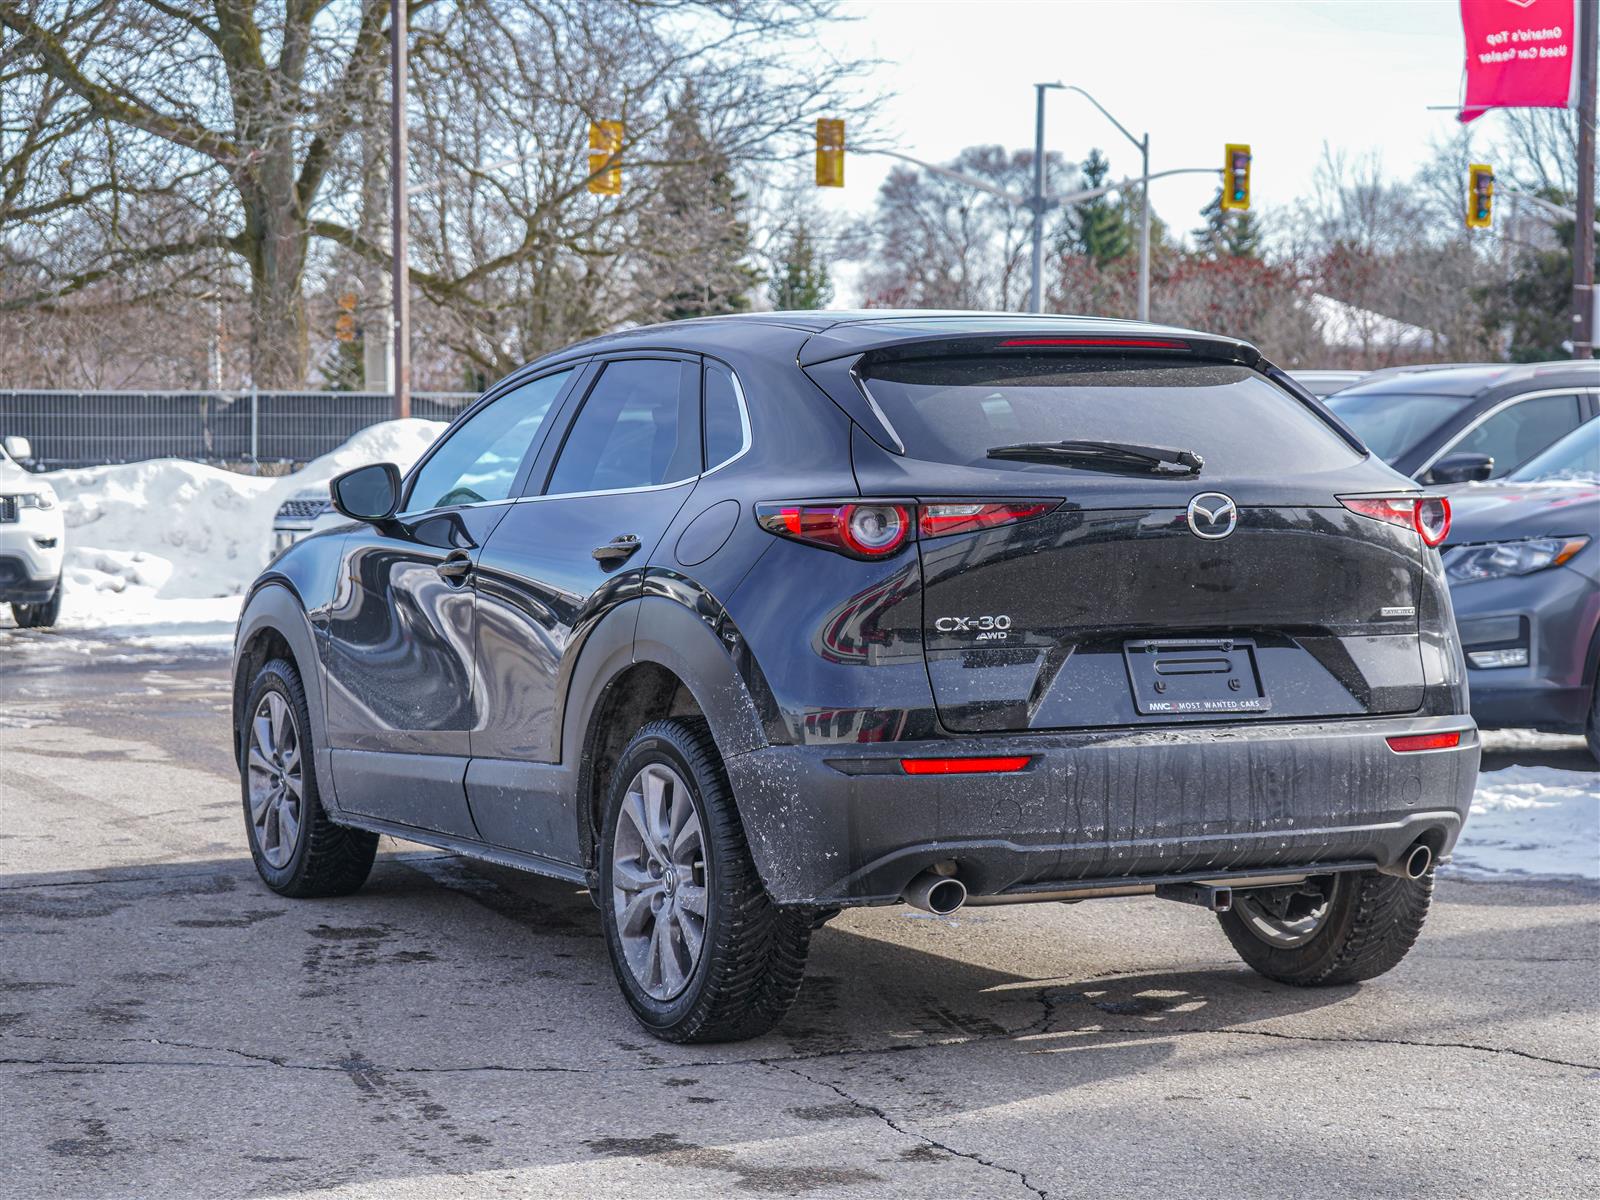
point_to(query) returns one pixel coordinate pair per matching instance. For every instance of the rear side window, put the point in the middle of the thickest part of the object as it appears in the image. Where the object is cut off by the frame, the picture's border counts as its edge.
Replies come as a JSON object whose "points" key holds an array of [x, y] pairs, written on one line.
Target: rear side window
{"points": [[954, 410], [725, 432], [639, 427]]}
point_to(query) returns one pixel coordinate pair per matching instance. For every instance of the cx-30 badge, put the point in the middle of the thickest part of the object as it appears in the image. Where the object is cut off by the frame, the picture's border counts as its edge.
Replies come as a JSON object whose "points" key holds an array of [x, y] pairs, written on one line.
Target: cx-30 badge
{"points": [[1212, 515]]}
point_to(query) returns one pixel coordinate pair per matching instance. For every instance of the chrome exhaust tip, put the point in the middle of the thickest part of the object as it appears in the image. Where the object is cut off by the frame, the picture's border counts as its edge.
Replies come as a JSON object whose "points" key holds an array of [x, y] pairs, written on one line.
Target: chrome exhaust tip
{"points": [[1413, 864], [935, 893]]}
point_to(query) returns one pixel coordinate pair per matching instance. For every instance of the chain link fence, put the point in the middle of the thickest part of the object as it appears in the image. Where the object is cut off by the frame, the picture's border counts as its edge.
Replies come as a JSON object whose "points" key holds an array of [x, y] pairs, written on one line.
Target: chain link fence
{"points": [[82, 429]]}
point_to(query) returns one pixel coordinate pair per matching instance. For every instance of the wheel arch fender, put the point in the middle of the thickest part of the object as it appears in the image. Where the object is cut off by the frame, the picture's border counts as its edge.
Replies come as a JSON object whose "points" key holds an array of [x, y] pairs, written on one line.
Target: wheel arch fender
{"points": [[651, 632], [274, 621]]}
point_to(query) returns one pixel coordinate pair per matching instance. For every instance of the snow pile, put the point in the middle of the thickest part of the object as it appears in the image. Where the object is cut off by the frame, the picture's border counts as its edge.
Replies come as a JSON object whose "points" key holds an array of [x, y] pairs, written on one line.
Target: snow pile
{"points": [[167, 547], [1533, 822]]}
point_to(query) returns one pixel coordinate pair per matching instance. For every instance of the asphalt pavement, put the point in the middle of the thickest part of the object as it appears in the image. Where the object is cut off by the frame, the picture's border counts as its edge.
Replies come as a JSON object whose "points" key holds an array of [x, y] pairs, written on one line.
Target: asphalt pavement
{"points": [[169, 1027]]}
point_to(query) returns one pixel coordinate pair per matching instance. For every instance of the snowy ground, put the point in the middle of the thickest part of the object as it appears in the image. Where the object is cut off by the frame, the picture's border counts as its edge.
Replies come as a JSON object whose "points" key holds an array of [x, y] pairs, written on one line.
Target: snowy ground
{"points": [[159, 553], [1532, 821]]}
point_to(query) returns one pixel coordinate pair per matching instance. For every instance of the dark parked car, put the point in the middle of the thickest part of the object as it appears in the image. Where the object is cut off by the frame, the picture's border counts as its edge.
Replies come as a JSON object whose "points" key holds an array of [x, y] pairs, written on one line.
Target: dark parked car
{"points": [[738, 621], [1523, 559], [1469, 423]]}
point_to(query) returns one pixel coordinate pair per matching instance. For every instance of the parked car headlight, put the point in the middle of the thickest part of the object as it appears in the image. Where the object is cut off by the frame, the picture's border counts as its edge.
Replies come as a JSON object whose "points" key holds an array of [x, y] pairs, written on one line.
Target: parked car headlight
{"points": [[40, 500], [1496, 560]]}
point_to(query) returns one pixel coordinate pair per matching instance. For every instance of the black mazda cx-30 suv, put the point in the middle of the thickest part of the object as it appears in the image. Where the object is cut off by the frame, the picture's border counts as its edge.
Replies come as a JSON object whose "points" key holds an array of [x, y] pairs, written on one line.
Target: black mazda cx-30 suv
{"points": [[742, 620]]}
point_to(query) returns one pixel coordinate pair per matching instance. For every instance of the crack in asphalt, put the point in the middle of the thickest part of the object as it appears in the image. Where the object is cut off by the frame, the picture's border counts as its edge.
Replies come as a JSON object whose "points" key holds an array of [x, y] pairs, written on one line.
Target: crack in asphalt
{"points": [[1368, 1041], [1042, 1026], [918, 1135]]}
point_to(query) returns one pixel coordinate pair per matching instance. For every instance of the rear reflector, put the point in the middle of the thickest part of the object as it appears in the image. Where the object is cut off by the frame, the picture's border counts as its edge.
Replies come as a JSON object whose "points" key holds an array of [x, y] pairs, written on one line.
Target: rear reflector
{"points": [[1112, 343], [964, 766], [1409, 742]]}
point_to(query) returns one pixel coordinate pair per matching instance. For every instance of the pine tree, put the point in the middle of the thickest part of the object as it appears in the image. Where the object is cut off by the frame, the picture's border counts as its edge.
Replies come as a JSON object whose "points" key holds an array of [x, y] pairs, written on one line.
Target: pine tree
{"points": [[695, 234], [1226, 233], [1097, 229], [800, 278]]}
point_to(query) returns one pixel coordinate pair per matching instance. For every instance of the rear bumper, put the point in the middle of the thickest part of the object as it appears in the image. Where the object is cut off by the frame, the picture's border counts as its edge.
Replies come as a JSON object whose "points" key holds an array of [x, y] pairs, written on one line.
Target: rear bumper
{"points": [[1099, 807]]}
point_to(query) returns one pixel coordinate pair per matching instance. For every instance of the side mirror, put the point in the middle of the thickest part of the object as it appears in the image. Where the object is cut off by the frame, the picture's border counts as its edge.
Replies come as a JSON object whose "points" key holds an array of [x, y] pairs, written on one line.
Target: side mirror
{"points": [[370, 493], [1461, 468], [18, 448]]}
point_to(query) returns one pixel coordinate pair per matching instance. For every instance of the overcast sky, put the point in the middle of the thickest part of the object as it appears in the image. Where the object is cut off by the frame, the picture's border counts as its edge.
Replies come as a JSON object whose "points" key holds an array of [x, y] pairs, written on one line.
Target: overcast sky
{"points": [[1284, 76]]}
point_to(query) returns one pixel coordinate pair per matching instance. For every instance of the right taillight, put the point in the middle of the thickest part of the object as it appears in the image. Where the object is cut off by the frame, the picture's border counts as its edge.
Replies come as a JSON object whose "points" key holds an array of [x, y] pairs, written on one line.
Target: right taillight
{"points": [[877, 529], [1427, 516]]}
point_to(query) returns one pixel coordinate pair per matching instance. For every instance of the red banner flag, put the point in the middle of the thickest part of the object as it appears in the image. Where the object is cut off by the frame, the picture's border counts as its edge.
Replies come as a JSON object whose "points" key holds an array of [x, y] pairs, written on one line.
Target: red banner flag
{"points": [[1520, 54]]}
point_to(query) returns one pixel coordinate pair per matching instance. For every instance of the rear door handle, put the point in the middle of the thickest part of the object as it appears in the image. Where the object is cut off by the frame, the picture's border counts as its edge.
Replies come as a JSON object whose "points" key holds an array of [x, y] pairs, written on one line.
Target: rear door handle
{"points": [[456, 567], [616, 550]]}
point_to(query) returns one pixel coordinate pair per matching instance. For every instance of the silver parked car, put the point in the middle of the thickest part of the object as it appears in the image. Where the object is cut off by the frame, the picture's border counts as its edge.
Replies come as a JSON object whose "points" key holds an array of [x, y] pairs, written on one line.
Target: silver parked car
{"points": [[1523, 560], [299, 515]]}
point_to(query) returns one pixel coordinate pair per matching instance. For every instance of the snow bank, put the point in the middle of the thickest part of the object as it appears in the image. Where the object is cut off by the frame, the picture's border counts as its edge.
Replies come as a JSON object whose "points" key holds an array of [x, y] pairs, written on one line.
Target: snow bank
{"points": [[164, 549], [1532, 822]]}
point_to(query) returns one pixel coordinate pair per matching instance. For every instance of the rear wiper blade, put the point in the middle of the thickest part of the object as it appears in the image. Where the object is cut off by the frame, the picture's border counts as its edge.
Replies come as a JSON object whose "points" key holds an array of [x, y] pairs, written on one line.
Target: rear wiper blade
{"points": [[1106, 456]]}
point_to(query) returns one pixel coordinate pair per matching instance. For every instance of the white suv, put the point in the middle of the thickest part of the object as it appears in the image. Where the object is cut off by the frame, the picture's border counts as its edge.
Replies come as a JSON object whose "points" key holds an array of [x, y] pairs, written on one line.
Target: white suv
{"points": [[31, 537]]}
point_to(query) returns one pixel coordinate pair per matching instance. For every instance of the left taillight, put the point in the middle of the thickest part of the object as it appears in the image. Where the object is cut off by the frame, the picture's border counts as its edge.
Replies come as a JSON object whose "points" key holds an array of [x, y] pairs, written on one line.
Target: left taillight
{"points": [[1427, 516], [877, 529], [859, 530]]}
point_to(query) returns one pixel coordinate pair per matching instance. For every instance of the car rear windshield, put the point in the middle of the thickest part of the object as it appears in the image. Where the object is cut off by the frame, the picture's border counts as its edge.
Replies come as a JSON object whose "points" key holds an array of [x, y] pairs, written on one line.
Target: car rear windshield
{"points": [[1394, 423], [956, 409]]}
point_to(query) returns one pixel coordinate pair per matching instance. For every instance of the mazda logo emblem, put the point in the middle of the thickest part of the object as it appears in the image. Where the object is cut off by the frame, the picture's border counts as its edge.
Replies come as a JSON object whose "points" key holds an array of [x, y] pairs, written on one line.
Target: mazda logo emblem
{"points": [[1212, 515]]}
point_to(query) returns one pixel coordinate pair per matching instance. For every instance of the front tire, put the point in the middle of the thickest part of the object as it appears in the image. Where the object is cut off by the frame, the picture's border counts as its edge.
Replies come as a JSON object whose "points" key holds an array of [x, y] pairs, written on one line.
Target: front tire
{"points": [[297, 850], [1365, 925], [700, 951], [42, 615]]}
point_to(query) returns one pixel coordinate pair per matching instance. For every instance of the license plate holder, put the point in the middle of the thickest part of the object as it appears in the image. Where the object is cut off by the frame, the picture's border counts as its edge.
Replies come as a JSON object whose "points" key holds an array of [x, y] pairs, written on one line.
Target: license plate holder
{"points": [[1194, 676]]}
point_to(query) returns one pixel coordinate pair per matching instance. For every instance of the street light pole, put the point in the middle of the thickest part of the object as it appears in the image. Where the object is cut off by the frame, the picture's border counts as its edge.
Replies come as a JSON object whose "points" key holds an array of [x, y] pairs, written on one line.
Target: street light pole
{"points": [[1144, 232], [1143, 145], [1037, 202], [401, 277]]}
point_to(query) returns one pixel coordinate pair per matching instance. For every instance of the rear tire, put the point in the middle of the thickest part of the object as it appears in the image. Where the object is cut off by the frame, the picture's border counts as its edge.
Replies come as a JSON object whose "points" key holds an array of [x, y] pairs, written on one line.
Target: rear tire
{"points": [[42, 615], [737, 967], [297, 850], [1369, 923]]}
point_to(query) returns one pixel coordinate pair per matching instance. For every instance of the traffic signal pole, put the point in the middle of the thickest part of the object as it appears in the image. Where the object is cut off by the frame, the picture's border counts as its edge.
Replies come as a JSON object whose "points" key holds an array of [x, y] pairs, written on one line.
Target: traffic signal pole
{"points": [[1583, 314]]}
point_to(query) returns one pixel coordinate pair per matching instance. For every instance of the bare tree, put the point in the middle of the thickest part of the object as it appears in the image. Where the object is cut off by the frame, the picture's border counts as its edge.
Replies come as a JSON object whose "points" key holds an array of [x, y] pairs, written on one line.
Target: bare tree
{"points": [[190, 128], [934, 242]]}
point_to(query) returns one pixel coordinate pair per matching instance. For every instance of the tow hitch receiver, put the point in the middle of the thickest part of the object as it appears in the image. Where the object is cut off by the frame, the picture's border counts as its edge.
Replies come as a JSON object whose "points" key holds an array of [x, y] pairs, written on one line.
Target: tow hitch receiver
{"points": [[1206, 895]]}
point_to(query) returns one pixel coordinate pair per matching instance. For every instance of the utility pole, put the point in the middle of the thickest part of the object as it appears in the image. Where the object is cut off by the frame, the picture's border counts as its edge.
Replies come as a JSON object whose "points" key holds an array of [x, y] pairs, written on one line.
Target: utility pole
{"points": [[1037, 203], [401, 275], [1583, 315]]}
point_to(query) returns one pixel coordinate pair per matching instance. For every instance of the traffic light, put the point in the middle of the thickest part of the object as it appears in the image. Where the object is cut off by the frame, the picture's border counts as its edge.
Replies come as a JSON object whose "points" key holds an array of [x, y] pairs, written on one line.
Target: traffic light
{"points": [[830, 152], [1480, 196], [344, 327], [1236, 177], [605, 158]]}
